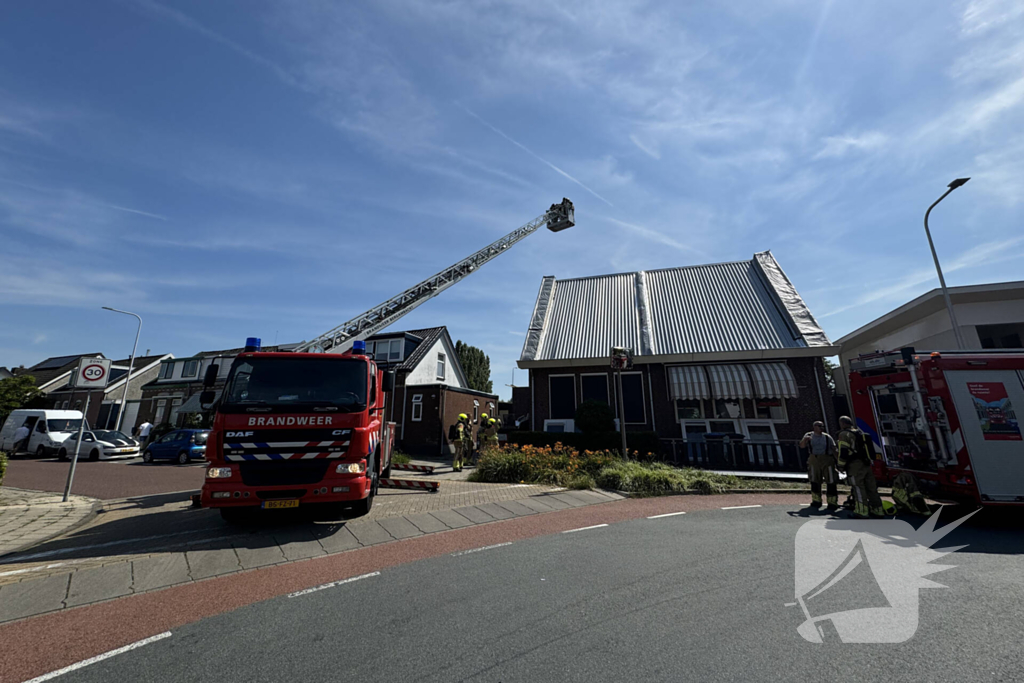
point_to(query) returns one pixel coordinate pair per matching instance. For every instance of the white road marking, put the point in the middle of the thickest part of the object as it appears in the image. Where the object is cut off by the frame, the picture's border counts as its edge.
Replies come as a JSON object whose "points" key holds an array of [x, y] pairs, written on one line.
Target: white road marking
{"points": [[741, 507], [100, 658], [667, 514], [584, 528], [332, 584], [476, 550]]}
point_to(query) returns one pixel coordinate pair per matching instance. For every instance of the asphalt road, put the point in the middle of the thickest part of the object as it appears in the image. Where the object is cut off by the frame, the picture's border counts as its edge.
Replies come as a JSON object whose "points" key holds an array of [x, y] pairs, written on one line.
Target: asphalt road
{"points": [[106, 479], [701, 596]]}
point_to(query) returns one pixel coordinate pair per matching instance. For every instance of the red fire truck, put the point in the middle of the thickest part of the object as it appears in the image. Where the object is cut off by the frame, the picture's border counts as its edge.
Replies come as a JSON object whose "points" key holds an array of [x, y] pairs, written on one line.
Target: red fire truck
{"points": [[308, 426], [299, 428], [947, 417]]}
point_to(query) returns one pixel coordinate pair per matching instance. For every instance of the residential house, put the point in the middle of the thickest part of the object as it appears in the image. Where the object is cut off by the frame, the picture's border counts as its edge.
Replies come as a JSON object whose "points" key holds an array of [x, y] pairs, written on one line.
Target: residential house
{"points": [[724, 348], [174, 392], [105, 404], [431, 388], [54, 373]]}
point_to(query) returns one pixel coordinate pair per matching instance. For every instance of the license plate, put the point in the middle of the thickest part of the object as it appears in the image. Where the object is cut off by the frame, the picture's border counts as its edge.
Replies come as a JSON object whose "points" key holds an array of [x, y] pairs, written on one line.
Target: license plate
{"points": [[278, 504]]}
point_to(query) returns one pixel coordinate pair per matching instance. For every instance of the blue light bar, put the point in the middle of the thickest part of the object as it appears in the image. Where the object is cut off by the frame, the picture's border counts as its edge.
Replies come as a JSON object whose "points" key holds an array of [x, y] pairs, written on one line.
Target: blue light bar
{"points": [[359, 347], [252, 344]]}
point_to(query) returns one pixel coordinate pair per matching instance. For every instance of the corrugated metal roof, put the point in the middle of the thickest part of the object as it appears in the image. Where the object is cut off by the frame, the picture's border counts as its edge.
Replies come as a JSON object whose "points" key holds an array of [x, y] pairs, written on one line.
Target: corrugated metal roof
{"points": [[715, 308]]}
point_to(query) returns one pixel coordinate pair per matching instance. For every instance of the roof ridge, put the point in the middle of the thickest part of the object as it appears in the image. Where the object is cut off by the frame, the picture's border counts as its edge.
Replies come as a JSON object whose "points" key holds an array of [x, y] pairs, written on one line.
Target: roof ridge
{"points": [[657, 270]]}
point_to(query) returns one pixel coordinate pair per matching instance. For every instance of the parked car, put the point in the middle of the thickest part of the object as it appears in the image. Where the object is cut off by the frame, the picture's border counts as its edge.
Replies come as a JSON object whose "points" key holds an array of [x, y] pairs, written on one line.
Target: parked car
{"points": [[182, 445], [100, 443], [48, 429]]}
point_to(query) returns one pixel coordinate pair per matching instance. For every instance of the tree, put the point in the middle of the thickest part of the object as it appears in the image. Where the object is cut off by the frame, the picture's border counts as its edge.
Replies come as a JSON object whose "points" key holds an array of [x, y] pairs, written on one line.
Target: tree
{"points": [[15, 392], [829, 367], [476, 365]]}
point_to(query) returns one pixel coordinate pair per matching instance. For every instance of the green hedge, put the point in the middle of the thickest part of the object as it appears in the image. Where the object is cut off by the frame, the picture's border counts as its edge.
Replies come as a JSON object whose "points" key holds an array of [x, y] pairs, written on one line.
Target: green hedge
{"points": [[3, 466], [641, 443]]}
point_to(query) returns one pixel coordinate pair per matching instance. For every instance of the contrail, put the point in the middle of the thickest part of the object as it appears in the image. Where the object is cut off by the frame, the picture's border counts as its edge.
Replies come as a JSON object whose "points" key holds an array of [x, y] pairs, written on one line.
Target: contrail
{"points": [[535, 155]]}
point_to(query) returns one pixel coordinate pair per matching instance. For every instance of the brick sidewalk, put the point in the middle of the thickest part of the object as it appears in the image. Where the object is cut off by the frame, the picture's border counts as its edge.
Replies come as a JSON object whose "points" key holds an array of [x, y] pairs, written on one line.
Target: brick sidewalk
{"points": [[28, 518]]}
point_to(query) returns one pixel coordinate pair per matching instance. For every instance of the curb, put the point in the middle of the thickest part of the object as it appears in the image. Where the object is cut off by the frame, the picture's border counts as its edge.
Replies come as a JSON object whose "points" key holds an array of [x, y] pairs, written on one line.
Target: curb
{"points": [[94, 510], [627, 494]]}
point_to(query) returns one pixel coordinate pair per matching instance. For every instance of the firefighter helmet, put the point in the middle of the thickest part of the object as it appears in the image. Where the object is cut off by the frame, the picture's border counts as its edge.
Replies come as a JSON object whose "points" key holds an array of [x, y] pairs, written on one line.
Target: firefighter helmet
{"points": [[463, 416]]}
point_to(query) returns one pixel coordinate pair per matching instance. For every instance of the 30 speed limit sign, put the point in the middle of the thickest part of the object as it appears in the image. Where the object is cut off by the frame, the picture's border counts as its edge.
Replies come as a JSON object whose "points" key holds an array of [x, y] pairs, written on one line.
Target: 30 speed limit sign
{"points": [[92, 373]]}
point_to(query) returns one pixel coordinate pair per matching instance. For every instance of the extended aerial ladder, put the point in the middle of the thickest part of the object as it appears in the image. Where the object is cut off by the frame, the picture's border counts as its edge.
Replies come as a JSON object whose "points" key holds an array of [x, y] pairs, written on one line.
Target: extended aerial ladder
{"points": [[557, 218]]}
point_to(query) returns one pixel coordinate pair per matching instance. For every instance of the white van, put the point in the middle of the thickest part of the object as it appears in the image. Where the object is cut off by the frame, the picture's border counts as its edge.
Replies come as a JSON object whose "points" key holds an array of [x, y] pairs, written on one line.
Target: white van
{"points": [[49, 429]]}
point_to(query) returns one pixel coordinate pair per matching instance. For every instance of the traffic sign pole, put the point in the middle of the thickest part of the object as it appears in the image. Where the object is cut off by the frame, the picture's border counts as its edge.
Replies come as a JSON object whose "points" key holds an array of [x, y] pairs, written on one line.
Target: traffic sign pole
{"points": [[78, 445]]}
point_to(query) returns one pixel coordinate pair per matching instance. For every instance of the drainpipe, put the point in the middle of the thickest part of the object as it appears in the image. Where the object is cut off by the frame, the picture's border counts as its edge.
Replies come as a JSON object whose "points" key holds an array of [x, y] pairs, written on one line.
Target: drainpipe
{"points": [[444, 394], [650, 391], [533, 404]]}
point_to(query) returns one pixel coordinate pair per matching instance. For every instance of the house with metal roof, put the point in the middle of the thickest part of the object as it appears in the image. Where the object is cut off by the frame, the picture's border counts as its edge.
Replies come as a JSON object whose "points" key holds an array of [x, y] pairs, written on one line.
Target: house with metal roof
{"points": [[722, 348]]}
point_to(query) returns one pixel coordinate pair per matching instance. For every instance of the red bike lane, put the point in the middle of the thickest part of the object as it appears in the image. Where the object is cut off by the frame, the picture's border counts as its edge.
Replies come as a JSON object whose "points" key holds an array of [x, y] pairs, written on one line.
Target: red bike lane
{"points": [[38, 645]]}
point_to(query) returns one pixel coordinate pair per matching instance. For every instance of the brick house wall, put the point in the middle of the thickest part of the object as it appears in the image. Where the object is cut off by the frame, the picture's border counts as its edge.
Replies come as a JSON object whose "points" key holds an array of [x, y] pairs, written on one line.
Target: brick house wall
{"points": [[441, 405], [659, 408]]}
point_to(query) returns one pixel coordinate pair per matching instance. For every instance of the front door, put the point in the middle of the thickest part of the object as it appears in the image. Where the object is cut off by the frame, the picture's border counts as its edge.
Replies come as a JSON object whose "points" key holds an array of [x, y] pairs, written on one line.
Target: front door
{"points": [[164, 446], [987, 402]]}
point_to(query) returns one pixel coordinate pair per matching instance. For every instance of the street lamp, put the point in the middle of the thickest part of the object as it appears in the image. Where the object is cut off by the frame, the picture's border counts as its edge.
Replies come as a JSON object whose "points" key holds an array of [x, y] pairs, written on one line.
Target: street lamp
{"points": [[131, 365], [942, 281]]}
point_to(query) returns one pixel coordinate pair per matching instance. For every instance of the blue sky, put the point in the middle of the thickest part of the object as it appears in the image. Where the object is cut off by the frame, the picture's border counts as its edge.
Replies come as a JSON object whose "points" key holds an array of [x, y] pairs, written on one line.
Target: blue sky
{"points": [[233, 169]]}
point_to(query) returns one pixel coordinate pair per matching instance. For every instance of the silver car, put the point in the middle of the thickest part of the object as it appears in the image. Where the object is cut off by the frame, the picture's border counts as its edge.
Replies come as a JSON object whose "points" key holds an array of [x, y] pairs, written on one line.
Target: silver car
{"points": [[100, 444]]}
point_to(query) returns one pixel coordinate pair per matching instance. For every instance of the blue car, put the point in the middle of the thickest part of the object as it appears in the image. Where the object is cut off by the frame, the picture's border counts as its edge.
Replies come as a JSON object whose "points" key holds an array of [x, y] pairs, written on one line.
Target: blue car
{"points": [[183, 445]]}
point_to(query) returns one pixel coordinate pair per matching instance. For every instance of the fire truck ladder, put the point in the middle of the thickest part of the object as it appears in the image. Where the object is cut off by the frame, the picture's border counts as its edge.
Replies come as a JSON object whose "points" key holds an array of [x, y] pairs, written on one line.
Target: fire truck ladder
{"points": [[557, 218]]}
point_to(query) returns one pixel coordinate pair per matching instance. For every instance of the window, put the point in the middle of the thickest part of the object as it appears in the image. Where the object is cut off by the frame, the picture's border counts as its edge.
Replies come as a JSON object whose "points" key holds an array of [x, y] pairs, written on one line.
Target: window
{"points": [[476, 410], [440, 366], [563, 397], [65, 405], [770, 409], [161, 408], [191, 368], [689, 409], [1006, 336], [166, 370], [386, 350], [728, 408], [633, 398], [56, 405], [417, 407], [594, 387], [78, 404], [41, 426]]}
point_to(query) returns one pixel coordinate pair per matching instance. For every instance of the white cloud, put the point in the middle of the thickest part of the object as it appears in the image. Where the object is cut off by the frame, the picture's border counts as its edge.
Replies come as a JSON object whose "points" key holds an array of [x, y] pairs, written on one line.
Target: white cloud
{"points": [[839, 145]]}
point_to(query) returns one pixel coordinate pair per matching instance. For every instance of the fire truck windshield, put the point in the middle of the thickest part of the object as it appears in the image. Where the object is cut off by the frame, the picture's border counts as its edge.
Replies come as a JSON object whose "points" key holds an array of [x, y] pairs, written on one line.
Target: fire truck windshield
{"points": [[282, 384]]}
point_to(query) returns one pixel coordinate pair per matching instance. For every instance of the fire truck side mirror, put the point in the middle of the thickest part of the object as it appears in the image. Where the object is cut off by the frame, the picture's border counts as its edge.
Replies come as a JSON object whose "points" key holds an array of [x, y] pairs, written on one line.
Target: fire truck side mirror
{"points": [[389, 381], [210, 378], [207, 398]]}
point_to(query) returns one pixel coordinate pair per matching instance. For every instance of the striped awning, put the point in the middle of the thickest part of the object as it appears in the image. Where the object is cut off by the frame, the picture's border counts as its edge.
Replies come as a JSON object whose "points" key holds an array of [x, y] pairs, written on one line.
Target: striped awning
{"points": [[773, 380], [729, 381], [688, 382]]}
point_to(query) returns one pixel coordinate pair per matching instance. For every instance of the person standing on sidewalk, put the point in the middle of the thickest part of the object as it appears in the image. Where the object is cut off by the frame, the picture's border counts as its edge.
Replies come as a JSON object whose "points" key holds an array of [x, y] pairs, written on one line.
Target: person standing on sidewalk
{"points": [[821, 466]]}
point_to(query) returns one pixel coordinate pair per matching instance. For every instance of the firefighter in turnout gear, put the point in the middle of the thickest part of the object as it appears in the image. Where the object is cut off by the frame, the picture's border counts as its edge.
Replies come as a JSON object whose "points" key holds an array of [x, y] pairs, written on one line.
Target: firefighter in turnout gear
{"points": [[461, 436], [821, 466], [907, 495], [489, 434], [855, 460]]}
